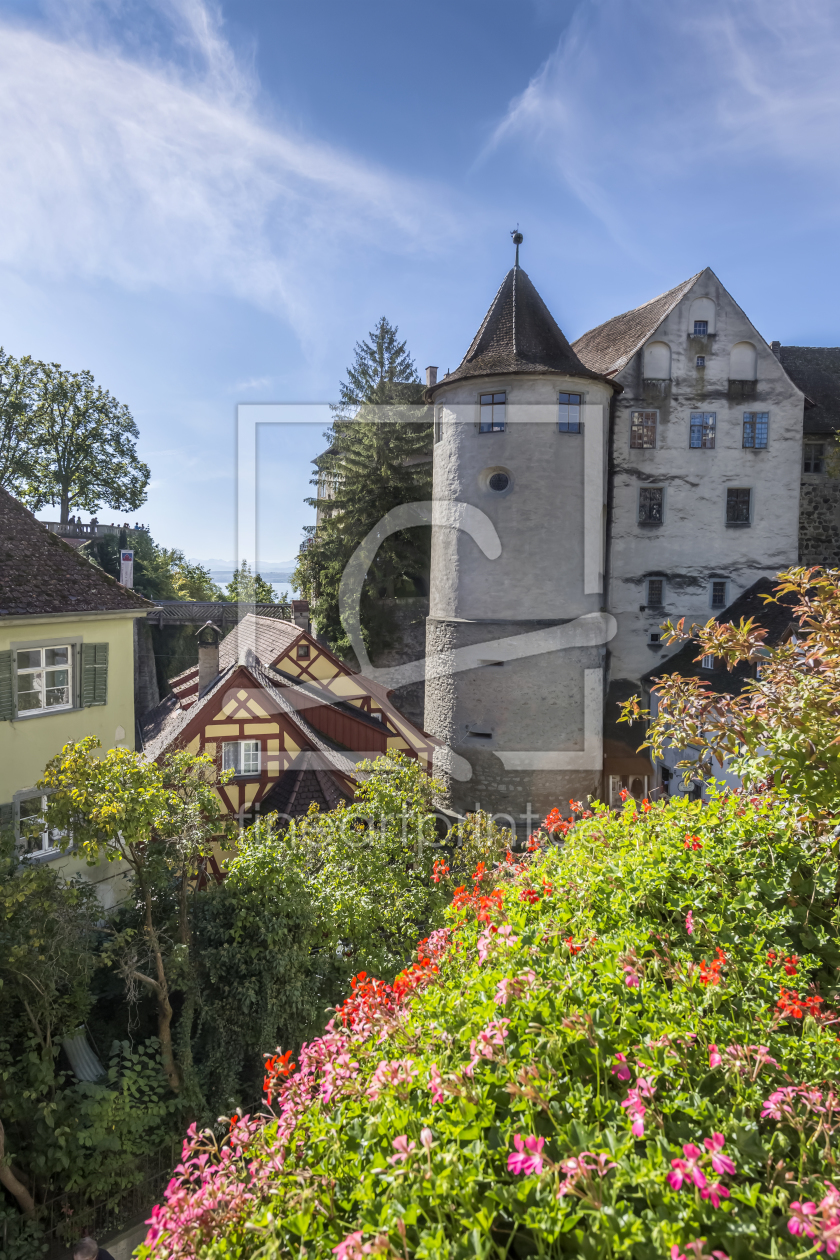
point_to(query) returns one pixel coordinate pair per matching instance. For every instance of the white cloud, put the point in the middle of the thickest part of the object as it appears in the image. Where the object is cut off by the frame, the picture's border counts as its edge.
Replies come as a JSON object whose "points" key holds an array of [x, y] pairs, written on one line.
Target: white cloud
{"points": [[640, 102], [161, 172]]}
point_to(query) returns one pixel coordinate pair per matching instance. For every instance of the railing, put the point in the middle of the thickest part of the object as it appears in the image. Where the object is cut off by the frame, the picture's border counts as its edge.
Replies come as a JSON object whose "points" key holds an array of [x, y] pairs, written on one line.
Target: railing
{"points": [[90, 529], [65, 1218]]}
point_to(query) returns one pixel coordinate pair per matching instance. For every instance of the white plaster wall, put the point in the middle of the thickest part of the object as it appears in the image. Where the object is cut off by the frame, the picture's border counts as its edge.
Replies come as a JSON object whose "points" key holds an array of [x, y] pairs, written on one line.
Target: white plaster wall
{"points": [[551, 531], [694, 543]]}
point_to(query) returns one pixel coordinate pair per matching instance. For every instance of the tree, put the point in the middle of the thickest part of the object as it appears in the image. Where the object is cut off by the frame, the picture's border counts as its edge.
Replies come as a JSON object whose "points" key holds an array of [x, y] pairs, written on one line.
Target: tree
{"points": [[84, 450], [379, 457], [159, 818], [17, 393], [159, 572], [785, 723], [247, 588]]}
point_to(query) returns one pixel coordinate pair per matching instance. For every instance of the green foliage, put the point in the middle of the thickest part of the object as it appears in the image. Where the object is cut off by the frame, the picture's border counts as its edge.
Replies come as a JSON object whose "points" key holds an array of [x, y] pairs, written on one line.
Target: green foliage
{"points": [[83, 449], [18, 378], [160, 818], [61, 1135], [254, 937], [159, 572], [641, 975], [378, 458], [785, 723], [247, 588], [367, 868], [299, 913]]}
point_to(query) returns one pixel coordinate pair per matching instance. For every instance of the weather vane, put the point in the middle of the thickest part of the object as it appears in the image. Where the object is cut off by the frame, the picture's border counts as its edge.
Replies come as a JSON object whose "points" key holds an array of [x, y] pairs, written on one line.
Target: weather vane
{"points": [[517, 238]]}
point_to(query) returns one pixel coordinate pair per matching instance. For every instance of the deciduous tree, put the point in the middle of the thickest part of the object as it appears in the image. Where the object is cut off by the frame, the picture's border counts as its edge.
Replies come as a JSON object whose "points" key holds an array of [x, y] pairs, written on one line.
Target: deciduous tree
{"points": [[159, 819], [83, 447]]}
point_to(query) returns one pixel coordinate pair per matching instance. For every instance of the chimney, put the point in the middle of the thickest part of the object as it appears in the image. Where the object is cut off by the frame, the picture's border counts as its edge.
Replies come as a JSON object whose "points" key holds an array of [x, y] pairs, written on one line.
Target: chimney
{"points": [[776, 347], [300, 614], [431, 376], [208, 655]]}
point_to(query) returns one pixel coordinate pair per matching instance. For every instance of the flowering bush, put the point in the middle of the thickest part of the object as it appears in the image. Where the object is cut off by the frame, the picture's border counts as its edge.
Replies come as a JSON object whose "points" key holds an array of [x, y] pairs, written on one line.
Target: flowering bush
{"points": [[567, 1073]]}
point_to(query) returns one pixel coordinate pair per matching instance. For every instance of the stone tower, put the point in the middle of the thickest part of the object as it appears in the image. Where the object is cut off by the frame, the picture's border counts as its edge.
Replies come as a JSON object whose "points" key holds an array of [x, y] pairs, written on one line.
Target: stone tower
{"points": [[516, 636]]}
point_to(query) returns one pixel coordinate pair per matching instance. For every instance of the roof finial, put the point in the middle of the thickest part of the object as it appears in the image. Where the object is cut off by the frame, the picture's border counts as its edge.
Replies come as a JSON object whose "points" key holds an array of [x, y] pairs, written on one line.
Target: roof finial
{"points": [[517, 238]]}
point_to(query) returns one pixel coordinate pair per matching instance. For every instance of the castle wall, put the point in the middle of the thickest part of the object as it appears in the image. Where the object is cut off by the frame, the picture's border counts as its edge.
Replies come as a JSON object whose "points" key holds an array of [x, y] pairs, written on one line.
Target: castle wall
{"points": [[694, 545]]}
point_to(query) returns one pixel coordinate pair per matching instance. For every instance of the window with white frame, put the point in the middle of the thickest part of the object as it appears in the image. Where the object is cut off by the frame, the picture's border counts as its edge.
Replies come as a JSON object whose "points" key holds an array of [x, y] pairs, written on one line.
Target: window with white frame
{"points": [[492, 413], [242, 756], [655, 591], [702, 430], [718, 593], [643, 430], [570, 413], [701, 328], [708, 662], [44, 679], [756, 425], [31, 832]]}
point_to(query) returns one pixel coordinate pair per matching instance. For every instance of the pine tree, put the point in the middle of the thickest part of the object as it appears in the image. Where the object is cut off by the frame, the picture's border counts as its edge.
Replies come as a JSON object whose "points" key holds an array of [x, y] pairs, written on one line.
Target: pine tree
{"points": [[379, 457]]}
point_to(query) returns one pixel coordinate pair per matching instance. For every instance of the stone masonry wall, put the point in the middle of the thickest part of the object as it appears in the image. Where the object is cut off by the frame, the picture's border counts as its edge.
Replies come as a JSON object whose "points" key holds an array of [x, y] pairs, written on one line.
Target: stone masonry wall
{"points": [[819, 521]]}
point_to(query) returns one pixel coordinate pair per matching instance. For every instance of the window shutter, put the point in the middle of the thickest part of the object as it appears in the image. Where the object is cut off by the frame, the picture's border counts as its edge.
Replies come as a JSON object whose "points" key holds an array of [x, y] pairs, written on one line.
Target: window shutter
{"points": [[94, 674], [7, 702]]}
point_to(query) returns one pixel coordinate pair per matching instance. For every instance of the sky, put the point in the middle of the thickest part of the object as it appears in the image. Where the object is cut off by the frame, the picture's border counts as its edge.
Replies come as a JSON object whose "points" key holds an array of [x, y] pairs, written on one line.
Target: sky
{"points": [[208, 205]]}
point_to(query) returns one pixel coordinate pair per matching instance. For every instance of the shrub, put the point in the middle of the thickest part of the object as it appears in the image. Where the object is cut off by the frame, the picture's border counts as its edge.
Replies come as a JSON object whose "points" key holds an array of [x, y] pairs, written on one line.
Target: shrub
{"points": [[622, 1047]]}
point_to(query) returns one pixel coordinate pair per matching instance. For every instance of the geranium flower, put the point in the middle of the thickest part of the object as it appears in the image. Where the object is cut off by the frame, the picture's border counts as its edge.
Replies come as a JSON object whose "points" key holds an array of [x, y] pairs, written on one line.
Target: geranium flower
{"points": [[404, 1149], [689, 923], [715, 1193], [715, 1058], [714, 1145], [687, 1170], [620, 1069], [526, 1158]]}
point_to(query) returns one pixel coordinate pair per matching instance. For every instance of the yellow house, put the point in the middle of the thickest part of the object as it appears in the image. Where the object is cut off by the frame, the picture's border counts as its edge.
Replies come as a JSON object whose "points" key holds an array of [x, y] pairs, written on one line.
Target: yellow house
{"points": [[66, 671]]}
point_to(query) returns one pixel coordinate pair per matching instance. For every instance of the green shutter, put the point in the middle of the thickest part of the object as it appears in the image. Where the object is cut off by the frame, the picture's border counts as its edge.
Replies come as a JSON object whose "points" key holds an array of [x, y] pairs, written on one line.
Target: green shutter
{"points": [[7, 699], [94, 674]]}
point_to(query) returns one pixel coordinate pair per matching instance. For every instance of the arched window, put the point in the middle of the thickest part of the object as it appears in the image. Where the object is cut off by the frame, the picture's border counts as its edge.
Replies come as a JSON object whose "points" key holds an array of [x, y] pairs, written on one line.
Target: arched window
{"points": [[657, 361], [742, 360], [701, 317]]}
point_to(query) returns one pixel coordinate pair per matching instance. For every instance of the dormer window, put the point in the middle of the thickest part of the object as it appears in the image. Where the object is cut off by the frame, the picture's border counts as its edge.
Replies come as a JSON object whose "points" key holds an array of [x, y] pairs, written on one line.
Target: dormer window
{"points": [[492, 413], [570, 413]]}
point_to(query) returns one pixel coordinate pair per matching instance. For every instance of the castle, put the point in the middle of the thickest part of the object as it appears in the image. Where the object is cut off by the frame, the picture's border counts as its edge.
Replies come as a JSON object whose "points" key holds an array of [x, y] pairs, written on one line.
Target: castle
{"points": [[586, 492]]}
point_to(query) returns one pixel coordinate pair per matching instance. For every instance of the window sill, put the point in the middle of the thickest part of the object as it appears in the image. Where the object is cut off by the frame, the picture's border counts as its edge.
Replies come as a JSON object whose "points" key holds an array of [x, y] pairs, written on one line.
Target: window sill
{"points": [[43, 713], [738, 524], [650, 524]]}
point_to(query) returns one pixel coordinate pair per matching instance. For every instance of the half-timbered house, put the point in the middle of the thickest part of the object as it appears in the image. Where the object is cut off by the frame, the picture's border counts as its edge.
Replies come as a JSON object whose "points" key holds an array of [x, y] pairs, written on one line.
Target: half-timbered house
{"points": [[290, 720]]}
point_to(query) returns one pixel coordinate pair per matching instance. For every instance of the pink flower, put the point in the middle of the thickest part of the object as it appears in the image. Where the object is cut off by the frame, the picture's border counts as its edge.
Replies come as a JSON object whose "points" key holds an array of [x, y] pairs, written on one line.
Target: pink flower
{"points": [[715, 1192], [436, 1083], [404, 1149], [426, 1138], [520, 1162], [720, 1163], [513, 987], [689, 923], [715, 1057], [620, 1069], [634, 1106], [799, 1223], [687, 1170], [631, 977]]}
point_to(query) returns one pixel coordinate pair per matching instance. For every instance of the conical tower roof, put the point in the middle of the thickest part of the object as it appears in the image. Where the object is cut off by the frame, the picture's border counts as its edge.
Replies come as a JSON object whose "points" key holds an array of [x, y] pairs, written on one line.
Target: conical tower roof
{"points": [[518, 336]]}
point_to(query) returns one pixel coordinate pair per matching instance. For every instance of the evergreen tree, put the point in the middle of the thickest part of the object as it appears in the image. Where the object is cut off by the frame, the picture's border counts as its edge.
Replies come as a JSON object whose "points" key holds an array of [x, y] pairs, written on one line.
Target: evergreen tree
{"points": [[379, 457]]}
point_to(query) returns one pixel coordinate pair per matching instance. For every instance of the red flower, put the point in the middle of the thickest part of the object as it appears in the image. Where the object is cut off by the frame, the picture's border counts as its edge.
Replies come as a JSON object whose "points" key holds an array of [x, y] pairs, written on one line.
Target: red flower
{"points": [[692, 842], [710, 972], [530, 895]]}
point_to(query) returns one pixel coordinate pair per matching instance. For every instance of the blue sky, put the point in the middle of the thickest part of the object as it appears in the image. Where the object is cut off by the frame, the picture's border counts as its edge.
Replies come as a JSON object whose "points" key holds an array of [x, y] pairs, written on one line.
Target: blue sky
{"points": [[208, 205]]}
